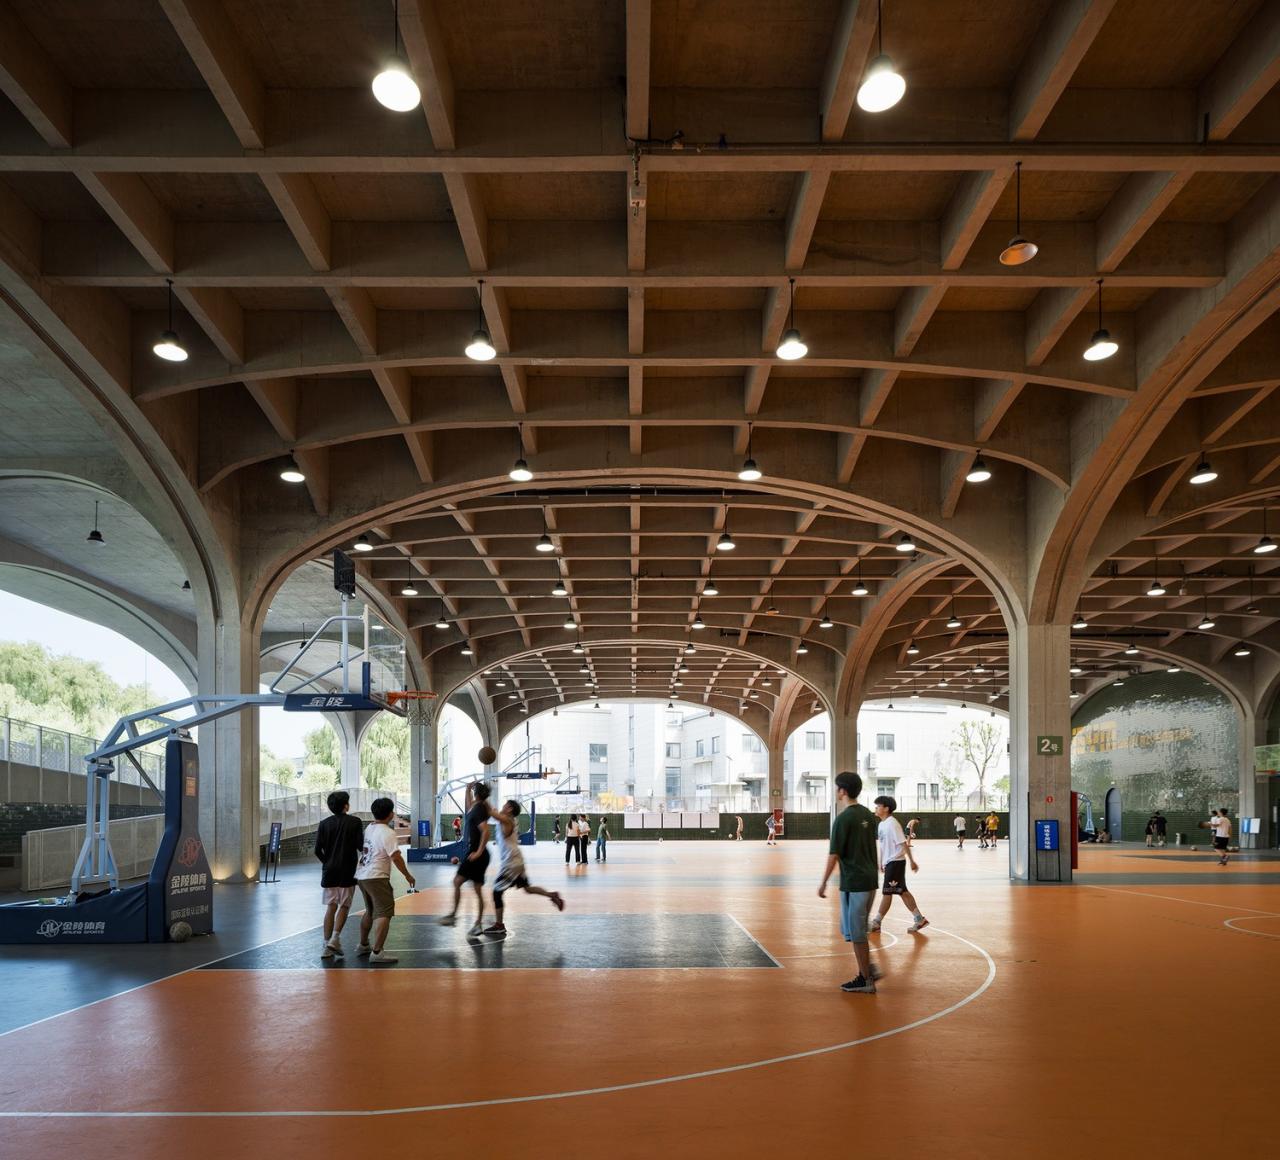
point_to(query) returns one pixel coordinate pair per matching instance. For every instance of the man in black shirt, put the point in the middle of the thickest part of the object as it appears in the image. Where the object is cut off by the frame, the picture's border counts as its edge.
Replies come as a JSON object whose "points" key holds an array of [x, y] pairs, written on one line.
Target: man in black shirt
{"points": [[338, 842], [472, 865]]}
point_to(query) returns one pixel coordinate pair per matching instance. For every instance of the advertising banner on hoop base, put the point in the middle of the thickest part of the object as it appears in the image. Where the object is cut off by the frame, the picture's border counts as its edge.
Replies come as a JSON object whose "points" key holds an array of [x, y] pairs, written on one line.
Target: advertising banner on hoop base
{"points": [[180, 888]]}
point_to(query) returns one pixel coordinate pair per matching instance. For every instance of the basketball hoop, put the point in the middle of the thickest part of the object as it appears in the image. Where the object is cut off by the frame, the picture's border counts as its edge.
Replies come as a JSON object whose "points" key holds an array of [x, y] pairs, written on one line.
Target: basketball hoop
{"points": [[417, 704]]}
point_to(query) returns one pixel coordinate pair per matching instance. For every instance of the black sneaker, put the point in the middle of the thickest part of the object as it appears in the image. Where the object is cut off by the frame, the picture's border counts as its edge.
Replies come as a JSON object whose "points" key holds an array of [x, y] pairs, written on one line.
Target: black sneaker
{"points": [[860, 985]]}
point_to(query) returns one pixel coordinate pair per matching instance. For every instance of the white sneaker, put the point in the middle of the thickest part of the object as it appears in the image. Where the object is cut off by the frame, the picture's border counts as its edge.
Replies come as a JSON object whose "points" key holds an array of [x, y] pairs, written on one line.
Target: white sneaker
{"points": [[383, 957], [364, 949], [919, 924], [447, 919], [334, 946], [476, 930], [873, 926], [327, 952]]}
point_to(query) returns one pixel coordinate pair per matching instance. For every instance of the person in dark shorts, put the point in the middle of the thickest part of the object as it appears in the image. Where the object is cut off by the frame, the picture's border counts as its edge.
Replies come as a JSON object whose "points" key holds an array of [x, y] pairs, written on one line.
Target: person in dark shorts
{"points": [[338, 843], [853, 850], [894, 855], [1162, 828], [511, 868], [473, 864], [381, 851], [1222, 837]]}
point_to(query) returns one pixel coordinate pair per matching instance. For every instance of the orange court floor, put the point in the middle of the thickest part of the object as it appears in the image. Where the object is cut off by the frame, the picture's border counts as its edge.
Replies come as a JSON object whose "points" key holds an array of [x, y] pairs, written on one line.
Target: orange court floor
{"points": [[1134, 1009]]}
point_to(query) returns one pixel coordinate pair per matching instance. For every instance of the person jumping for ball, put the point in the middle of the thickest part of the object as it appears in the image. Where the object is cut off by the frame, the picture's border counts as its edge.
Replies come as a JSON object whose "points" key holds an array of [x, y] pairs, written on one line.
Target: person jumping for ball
{"points": [[894, 855], [511, 874], [473, 864]]}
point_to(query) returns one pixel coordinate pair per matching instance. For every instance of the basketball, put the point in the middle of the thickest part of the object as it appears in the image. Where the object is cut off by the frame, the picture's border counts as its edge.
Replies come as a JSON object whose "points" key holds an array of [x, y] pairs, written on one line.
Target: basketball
{"points": [[1203, 825], [487, 755], [179, 932]]}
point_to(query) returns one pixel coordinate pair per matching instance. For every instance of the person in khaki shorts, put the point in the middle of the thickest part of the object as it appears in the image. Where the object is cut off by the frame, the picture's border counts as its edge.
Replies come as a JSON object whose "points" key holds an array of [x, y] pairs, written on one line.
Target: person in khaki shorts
{"points": [[373, 875]]}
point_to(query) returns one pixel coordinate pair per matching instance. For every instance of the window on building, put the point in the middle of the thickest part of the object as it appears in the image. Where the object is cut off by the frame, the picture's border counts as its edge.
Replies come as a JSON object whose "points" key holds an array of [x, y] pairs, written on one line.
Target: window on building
{"points": [[933, 791], [700, 748], [673, 781], [599, 784], [751, 743], [815, 740], [598, 752], [886, 785], [857, 742], [919, 789], [673, 749], [715, 745], [884, 742]]}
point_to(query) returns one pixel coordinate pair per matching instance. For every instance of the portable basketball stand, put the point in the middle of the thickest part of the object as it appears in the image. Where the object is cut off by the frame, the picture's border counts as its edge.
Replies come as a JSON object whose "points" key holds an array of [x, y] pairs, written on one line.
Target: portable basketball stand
{"points": [[179, 889]]}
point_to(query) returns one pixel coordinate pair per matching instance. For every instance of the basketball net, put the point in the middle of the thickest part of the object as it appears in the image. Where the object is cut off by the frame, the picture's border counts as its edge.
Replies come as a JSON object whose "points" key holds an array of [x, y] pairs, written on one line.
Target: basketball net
{"points": [[419, 705]]}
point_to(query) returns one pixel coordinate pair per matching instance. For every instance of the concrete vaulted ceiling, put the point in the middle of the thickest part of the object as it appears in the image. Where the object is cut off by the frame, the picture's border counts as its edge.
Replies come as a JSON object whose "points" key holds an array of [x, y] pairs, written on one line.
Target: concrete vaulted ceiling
{"points": [[636, 183]]}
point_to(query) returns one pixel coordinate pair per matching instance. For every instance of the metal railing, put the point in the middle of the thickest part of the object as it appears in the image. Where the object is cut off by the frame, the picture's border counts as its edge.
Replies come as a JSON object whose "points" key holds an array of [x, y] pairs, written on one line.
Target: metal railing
{"points": [[59, 751]]}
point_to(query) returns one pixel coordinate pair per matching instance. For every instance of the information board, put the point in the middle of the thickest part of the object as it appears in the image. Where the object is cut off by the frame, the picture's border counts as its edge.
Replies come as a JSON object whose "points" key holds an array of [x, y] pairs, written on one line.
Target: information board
{"points": [[1047, 834]]}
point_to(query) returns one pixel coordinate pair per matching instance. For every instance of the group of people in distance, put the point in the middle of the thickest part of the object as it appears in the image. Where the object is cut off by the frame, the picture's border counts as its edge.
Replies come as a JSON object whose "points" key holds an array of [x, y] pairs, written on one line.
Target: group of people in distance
{"points": [[1157, 828], [988, 830], [354, 855], [864, 845], [577, 838]]}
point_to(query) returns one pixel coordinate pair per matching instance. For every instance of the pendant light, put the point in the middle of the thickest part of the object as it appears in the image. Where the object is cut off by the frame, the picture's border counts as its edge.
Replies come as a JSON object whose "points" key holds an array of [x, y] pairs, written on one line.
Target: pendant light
{"points": [[1252, 609], [1131, 650], [1079, 622], [578, 650], [520, 469], [168, 346], [1156, 589], [559, 589], [883, 86], [1101, 345], [1242, 650], [826, 622], [750, 471], [698, 622], [290, 472], [955, 621], [466, 650], [480, 348], [1019, 251], [1204, 472], [725, 543], [394, 87], [905, 544], [859, 587], [710, 589], [689, 650], [408, 589], [801, 649], [544, 543], [792, 345], [1266, 544], [979, 472], [1075, 670], [440, 620], [913, 649], [362, 544], [1206, 622], [95, 536], [569, 623]]}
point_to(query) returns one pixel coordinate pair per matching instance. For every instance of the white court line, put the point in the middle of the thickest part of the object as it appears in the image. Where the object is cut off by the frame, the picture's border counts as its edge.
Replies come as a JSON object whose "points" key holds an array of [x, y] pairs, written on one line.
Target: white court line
{"points": [[328, 1113], [848, 950], [1231, 922], [1188, 901], [756, 941]]}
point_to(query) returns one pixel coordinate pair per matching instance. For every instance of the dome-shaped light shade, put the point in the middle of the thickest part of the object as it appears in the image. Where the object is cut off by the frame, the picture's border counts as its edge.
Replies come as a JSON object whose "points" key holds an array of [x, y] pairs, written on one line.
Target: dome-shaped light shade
{"points": [[1075, 670], [883, 86], [291, 474], [860, 589], [826, 622], [395, 89], [725, 543], [442, 623], [1265, 545], [578, 650], [913, 649], [466, 650], [520, 471], [792, 346], [1156, 589], [750, 472], [1242, 650], [170, 348], [801, 649], [699, 623], [570, 623], [544, 544], [95, 537], [1206, 624], [1203, 473], [362, 544], [1018, 252], [979, 472], [710, 590], [408, 590], [560, 590], [1101, 346], [905, 544], [1131, 651], [1079, 622], [480, 348], [954, 622]]}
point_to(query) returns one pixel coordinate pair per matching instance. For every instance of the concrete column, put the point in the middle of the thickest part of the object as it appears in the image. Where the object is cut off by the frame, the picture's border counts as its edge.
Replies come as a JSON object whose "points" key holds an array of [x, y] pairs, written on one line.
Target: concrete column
{"points": [[777, 781], [1039, 706], [422, 774], [844, 749], [229, 812], [1253, 793]]}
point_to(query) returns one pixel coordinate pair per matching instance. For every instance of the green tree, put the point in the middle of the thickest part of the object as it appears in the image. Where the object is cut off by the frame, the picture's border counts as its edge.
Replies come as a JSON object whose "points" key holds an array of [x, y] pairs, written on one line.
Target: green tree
{"points": [[978, 743], [384, 755], [321, 763]]}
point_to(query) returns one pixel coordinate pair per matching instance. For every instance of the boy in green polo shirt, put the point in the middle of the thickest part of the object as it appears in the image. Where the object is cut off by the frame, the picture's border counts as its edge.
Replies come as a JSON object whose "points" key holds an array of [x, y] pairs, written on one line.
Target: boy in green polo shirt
{"points": [[853, 849]]}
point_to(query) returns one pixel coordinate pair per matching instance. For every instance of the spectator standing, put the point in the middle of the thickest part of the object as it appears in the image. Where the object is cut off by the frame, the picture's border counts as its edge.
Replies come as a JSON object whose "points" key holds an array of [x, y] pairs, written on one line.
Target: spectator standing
{"points": [[339, 840]]}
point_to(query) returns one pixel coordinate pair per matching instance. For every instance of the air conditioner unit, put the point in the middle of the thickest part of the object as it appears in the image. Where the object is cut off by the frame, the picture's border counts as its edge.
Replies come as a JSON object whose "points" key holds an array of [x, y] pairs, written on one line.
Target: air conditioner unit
{"points": [[871, 761]]}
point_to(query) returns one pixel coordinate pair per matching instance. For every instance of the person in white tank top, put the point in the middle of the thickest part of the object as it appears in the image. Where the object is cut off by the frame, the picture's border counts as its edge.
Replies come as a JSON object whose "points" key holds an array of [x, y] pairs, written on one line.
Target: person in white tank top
{"points": [[511, 875]]}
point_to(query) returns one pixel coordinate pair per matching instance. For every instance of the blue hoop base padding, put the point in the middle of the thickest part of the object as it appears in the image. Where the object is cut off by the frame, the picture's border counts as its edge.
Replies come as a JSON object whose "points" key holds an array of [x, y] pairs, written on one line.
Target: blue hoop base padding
{"points": [[116, 917], [445, 853]]}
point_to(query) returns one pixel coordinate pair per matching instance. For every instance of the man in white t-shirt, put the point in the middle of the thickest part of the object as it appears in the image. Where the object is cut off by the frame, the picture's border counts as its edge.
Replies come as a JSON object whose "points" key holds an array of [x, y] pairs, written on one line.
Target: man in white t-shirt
{"points": [[373, 875], [1221, 826], [959, 823], [894, 855]]}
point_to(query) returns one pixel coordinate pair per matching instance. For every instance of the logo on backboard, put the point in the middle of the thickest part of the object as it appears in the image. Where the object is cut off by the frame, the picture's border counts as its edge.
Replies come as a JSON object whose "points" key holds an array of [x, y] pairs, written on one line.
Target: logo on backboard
{"points": [[188, 852]]}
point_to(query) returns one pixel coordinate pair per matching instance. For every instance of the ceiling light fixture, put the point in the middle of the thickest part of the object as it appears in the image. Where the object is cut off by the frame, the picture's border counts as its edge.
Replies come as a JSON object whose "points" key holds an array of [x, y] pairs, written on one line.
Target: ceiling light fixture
{"points": [[1204, 472], [466, 650], [559, 589], [362, 544], [520, 469], [979, 472], [440, 620], [1131, 650], [169, 346], [689, 650], [1266, 544], [544, 543], [859, 587], [95, 536], [1156, 589], [801, 649], [578, 650], [1206, 623], [913, 649], [1019, 251], [826, 622], [750, 472], [699, 623], [1242, 650], [725, 543], [408, 589], [791, 346], [883, 86], [1079, 622], [480, 348], [570, 624], [905, 544], [290, 472], [1101, 345], [955, 621], [1174, 669], [1075, 669], [394, 87], [710, 589]]}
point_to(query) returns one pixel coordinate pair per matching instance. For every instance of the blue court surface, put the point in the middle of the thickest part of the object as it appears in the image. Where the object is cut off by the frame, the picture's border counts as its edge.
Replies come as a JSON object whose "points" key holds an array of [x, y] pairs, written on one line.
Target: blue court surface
{"points": [[535, 941]]}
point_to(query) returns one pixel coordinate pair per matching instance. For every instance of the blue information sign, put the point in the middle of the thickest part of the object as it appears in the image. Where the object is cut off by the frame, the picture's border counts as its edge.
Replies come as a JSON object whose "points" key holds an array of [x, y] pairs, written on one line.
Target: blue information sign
{"points": [[1047, 834], [424, 827], [273, 842]]}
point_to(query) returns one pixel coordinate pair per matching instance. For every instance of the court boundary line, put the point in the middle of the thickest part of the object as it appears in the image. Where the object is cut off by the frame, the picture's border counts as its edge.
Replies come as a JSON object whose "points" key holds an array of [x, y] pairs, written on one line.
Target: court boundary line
{"points": [[539, 1097], [1230, 923], [1188, 901], [763, 949]]}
